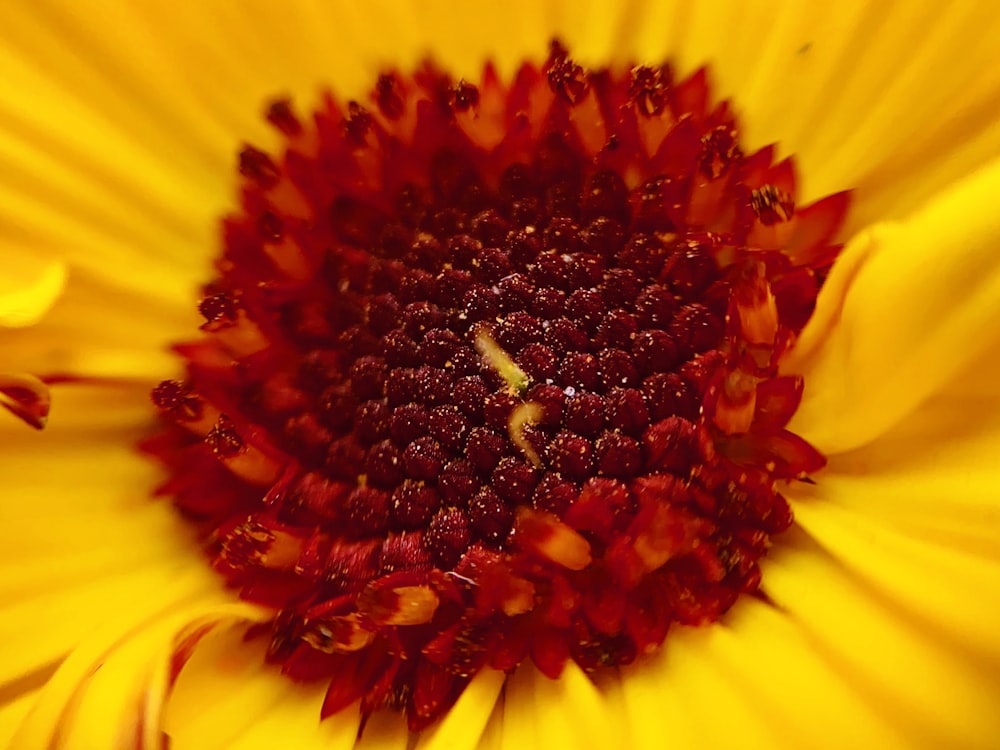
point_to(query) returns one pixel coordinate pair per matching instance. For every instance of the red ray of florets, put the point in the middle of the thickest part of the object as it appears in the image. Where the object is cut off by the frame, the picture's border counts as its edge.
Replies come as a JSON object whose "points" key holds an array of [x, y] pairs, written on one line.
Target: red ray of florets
{"points": [[490, 374]]}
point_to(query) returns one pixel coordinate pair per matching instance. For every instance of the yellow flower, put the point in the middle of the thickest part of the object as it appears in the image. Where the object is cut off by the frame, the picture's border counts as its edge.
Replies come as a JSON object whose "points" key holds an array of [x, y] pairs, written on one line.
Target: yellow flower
{"points": [[117, 127]]}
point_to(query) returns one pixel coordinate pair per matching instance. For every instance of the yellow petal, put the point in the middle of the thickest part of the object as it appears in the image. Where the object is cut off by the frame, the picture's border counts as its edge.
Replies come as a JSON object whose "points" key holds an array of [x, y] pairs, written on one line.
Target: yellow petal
{"points": [[107, 709], [933, 477], [98, 329], [954, 593], [915, 514], [42, 576], [844, 88], [29, 286], [900, 123], [886, 656], [12, 713], [81, 543], [519, 718], [920, 308], [463, 725], [166, 160], [492, 738], [294, 722], [788, 684], [800, 74], [55, 715], [225, 696], [87, 448], [41, 630], [384, 730], [705, 695], [571, 710], [566, 712], [655, 708]]}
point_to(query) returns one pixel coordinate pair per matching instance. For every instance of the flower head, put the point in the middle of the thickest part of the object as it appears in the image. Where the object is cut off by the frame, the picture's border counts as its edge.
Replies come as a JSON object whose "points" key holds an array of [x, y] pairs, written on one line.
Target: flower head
{"points": [[491, 375], [865, 598]]}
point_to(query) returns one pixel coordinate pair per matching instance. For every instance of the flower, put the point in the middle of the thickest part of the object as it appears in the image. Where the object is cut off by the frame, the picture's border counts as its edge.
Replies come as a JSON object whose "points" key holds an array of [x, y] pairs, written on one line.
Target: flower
{"points": [[117, 130]]}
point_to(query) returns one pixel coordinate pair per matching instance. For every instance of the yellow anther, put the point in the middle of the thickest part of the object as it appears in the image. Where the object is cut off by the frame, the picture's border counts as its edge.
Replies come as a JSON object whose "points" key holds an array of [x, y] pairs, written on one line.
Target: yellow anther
{"points": [[527, 413], [517, 379]]}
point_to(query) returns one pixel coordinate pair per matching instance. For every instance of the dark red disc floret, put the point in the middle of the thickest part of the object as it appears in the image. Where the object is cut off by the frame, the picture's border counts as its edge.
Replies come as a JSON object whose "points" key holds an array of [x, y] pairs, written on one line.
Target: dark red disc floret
{"points": [[490, 373]]}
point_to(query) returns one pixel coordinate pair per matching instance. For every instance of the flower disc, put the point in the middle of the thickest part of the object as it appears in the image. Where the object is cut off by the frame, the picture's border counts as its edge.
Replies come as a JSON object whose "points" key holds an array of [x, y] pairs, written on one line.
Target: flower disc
{"points": [[490, 373]]}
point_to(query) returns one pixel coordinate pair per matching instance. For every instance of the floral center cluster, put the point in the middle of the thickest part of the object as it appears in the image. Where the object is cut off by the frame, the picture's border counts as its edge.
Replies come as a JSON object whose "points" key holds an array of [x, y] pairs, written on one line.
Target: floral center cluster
{"points": [[490, 374]]}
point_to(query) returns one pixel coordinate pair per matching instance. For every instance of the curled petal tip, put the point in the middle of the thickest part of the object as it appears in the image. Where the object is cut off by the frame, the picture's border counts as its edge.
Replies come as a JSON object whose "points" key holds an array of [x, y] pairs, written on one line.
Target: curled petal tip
{"points": [[26, 397], [29, 289]]}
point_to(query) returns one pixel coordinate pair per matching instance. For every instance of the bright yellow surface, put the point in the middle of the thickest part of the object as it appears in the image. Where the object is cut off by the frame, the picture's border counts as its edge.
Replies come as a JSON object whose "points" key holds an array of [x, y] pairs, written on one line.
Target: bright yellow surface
{"points": [[28, 288], [899, 331], [118, 128]]}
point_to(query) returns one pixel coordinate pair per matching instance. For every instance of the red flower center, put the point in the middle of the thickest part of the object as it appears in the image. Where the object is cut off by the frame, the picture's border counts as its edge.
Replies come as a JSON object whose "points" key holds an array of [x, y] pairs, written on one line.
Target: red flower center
{"points": [[490, 374]]}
